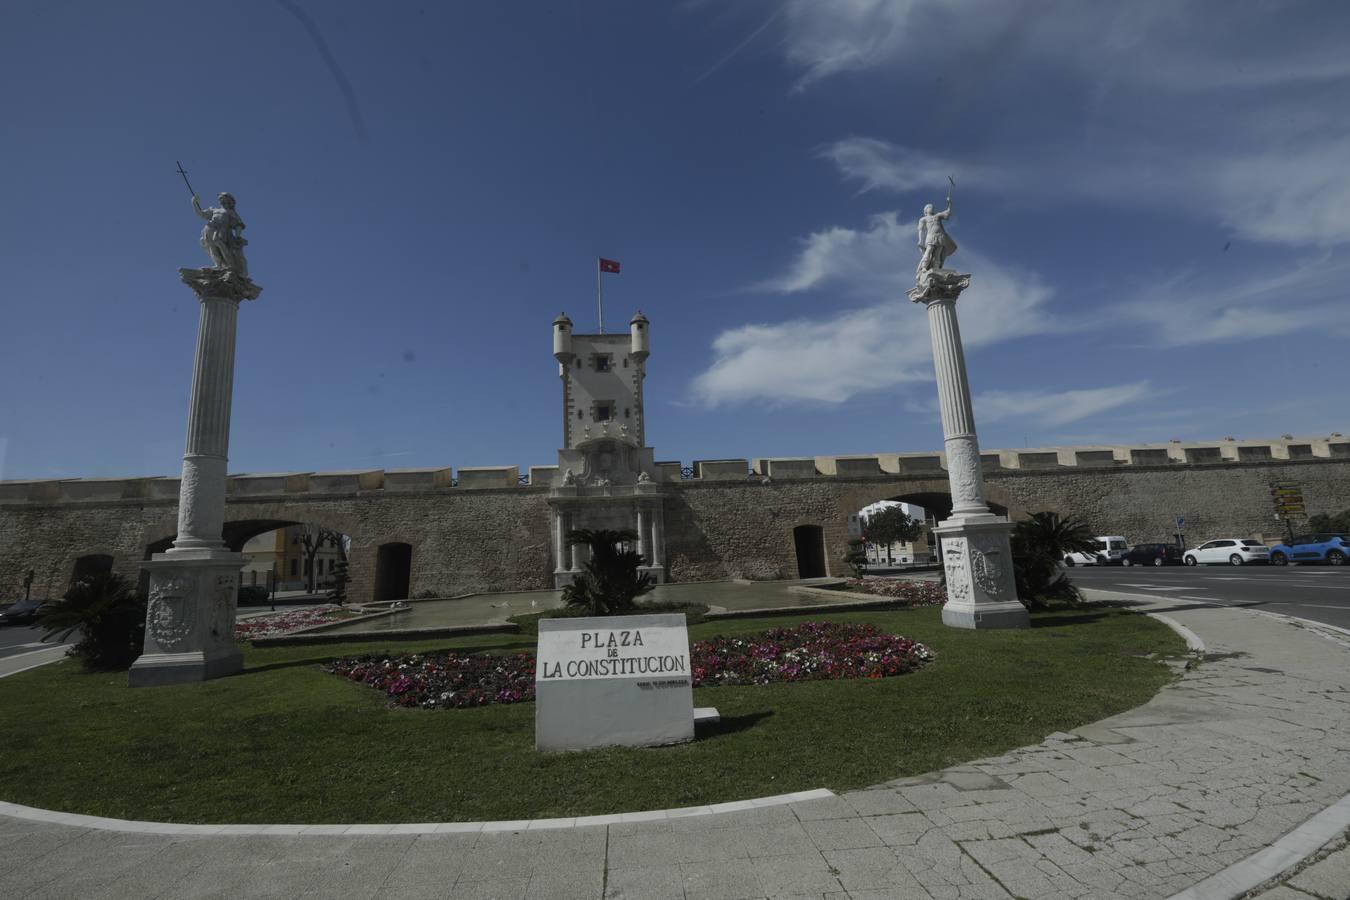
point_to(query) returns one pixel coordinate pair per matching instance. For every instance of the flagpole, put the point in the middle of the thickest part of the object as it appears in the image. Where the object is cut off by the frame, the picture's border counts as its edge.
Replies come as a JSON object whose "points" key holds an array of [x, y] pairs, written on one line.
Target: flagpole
{"points": [[599, 295]]}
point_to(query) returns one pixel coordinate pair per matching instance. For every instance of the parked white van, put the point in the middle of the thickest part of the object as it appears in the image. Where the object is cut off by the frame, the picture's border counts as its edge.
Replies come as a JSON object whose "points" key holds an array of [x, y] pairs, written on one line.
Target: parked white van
{"points": [[1107, 550]]}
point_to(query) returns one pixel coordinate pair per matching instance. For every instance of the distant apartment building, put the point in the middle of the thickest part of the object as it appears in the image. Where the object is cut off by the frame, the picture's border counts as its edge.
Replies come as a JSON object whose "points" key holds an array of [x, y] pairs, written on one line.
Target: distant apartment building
{"points": [[916, 552], [282, 551]]}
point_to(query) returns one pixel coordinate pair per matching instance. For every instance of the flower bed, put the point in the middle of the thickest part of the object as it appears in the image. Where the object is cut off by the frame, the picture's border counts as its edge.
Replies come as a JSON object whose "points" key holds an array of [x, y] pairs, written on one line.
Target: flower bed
{"points": [[812, 651], [444, 680], [914, 593], [291, 620]]}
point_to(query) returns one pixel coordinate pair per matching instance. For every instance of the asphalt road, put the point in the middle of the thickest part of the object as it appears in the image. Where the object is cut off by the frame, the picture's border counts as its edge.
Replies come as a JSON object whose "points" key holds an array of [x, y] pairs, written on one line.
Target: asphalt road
{"points": [[15, 639], [1320, 593]]}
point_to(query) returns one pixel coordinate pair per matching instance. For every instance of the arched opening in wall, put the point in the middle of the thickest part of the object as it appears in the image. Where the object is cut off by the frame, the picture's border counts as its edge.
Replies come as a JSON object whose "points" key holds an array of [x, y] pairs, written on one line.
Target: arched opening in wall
{"points": [[895, 534], [810, 543], [93, 565], [296, 559], [393, 571], [927, 508]]}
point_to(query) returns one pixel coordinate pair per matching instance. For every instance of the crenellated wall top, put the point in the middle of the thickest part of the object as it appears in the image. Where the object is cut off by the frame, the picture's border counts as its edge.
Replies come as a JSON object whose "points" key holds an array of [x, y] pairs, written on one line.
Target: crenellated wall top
{"points": [[1335, 447]]}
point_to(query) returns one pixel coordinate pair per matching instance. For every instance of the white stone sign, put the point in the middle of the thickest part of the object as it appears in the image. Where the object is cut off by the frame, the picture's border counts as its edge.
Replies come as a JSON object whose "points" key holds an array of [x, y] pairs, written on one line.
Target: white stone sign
{"points": [[618, 680]]}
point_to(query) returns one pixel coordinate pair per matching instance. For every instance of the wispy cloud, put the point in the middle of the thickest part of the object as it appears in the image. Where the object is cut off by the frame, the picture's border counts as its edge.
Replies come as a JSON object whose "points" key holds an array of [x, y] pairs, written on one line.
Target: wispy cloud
{"points": [[1058, 407], [872, 347], [1189, 308], [881, 165]]}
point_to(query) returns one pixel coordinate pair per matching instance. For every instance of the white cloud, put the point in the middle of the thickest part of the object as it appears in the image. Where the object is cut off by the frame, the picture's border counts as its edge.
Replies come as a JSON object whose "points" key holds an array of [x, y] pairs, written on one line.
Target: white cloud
{"points": [[1195, 114], [1058, 407], [1187, 309], [882, 165], [873, 347]]}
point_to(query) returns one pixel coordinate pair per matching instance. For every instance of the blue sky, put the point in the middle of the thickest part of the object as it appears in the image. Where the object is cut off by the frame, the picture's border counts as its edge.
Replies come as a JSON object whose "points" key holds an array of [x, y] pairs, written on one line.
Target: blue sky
{"points": [[1152, 197]]}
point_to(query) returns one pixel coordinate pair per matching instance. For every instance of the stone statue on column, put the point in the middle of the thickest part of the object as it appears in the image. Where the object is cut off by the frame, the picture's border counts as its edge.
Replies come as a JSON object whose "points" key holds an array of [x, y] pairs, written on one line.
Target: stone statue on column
{"points": [[975, 543], [194, 586]]}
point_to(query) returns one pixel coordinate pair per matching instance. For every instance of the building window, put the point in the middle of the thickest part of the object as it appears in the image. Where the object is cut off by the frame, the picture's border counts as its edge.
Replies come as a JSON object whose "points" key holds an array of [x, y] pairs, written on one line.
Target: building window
{"points": [[580, 414], [601, 362], [578, 363], [627, 414], [603, 412], [295, 565]]}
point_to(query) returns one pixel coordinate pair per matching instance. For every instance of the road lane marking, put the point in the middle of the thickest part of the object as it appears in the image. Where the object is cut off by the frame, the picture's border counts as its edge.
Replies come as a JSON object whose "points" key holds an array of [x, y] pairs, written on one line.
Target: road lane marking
{"points": [[1159, 587]]}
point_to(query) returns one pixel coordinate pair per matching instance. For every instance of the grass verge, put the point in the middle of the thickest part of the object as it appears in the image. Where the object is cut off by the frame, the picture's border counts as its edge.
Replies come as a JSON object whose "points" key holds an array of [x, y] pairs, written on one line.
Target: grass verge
{"points": [[285, 742]]}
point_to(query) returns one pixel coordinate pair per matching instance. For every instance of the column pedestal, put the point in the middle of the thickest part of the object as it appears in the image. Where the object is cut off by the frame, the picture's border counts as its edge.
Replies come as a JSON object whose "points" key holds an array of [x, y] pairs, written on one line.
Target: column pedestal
{"points": [[977, 559], [189, 625]]}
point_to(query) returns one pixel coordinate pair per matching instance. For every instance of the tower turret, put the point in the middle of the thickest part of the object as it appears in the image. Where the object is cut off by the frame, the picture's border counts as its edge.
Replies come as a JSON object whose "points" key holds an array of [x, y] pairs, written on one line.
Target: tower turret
{"points": [[638, 329], [562, 339]]}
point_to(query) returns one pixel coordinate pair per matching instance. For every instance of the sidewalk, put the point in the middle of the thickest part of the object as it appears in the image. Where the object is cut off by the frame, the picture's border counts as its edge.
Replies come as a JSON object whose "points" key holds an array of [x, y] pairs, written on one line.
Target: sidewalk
{"points": [[1215, 770]]}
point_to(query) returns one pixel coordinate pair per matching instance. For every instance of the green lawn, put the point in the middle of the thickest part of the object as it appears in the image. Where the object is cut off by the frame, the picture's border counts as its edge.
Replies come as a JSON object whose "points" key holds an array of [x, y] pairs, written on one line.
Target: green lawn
{"points": [[285, 742]]}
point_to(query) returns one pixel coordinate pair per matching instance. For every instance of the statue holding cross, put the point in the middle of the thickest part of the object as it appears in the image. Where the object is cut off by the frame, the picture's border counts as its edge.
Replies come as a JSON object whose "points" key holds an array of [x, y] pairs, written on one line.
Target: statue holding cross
{"points": [[223, 240]]}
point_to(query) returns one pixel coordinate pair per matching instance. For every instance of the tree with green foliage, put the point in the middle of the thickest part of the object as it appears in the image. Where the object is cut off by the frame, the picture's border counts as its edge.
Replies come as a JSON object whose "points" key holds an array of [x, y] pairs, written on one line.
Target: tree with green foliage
{"points": [[1039, 543], [609, 583], [1322, 523], [890, 525], [109, 615]]}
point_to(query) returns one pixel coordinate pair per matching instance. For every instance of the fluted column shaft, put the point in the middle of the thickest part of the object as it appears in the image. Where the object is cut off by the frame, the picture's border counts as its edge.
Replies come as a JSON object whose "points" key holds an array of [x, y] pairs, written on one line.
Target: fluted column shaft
{"points": [[201, 498], [958, 416]]}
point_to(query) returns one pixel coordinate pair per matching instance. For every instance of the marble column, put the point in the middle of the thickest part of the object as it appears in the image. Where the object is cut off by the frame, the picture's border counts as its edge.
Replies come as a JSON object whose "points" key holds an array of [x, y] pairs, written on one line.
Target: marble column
{"points": [[642, 534], [560, 541], [658, 538], [976, 550], [189, 629]]}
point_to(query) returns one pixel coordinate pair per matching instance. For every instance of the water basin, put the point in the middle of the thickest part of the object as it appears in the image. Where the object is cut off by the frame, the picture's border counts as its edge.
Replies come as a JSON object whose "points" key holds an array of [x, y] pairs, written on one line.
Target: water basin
{"points": [[489, 609]]}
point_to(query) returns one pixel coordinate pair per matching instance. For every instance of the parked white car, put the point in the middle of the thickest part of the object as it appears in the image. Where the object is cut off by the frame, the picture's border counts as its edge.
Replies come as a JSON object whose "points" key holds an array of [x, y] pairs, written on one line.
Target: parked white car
{"points": [[1082, 558], [1233, 551]]}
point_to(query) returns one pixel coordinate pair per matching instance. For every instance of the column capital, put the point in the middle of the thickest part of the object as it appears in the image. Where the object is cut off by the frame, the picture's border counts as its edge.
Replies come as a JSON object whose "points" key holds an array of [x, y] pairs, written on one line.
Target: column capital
{"points": [[934, 286], [220, 284]]}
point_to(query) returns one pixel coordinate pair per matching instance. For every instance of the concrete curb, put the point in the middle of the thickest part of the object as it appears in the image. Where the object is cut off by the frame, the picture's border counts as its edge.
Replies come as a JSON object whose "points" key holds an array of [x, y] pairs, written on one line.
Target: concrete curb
{"points": [[1288, 851], [1193, 642], [99, 823]]}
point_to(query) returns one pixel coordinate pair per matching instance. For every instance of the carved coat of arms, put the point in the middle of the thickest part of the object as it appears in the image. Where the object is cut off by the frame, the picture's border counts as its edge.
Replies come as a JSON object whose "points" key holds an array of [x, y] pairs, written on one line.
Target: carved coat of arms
{"points": [[172, 613], [988, 570]]}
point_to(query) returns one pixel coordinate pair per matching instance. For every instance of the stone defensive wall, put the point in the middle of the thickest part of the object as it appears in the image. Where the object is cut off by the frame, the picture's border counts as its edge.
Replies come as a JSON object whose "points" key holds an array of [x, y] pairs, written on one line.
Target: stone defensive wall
{"points": [[487, 529]]}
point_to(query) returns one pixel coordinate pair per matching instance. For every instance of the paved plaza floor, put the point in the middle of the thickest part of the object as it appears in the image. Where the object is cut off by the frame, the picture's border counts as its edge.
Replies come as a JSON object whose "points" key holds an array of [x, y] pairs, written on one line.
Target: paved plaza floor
{"points": [[1212, 789]]}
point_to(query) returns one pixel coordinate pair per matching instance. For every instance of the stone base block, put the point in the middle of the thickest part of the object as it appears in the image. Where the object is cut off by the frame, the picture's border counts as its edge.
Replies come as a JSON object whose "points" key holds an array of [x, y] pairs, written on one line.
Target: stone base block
{"points": [[977, 557], [156, 669], [189, 624], [988, 615]]}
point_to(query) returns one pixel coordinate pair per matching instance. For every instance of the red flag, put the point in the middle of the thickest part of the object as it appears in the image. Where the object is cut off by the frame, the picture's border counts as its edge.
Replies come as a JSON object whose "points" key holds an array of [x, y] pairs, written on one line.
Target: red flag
{"points": [[609, 265]]}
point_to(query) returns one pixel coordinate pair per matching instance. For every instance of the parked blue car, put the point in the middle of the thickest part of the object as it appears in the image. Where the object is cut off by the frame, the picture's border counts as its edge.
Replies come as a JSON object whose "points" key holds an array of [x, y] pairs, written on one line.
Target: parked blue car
{"points": [[1332, 549]]}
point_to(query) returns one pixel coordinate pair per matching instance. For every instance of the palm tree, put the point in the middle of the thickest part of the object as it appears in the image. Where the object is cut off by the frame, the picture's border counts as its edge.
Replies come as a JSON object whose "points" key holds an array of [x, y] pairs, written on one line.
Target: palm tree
{"points": [[609, 582], [109, 615], [1039, 542]]}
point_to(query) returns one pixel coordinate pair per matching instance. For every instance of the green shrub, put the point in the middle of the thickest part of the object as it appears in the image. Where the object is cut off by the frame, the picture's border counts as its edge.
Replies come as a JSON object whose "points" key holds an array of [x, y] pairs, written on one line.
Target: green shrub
{"points": [[109, 616], [609, 583], [855, 557]]}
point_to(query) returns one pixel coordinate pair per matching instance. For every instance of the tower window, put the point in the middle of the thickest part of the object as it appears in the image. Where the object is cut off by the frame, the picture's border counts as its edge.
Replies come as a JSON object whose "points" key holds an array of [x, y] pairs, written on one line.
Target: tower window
{"points": [[601, 362], [625, 362], [604, 411], [580, 414]]}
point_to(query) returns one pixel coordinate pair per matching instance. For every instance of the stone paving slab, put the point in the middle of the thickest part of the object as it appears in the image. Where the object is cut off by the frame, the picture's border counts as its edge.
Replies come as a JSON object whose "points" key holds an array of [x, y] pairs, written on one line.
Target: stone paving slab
{"points": [[1244, 751]]}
